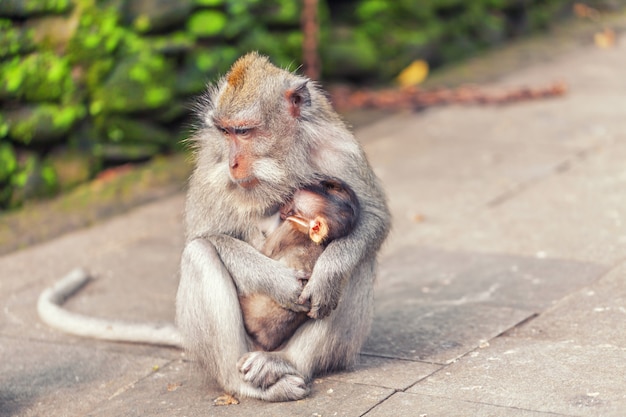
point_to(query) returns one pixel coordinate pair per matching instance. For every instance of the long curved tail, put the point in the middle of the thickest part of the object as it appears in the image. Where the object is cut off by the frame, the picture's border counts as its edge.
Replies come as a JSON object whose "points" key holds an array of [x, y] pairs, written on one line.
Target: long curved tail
{"points": [[49, 307]]}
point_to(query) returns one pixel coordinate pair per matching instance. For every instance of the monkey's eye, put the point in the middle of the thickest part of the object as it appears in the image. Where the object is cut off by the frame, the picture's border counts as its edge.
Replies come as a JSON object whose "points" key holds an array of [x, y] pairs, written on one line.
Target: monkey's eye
{"points": [[241, 131], [223, 130], [331, 186]]}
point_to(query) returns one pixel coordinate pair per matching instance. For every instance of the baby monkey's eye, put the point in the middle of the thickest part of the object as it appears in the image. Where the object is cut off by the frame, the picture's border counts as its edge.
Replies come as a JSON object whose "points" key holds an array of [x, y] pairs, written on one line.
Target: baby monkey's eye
{"points": [[331, 186], [222, 130]]}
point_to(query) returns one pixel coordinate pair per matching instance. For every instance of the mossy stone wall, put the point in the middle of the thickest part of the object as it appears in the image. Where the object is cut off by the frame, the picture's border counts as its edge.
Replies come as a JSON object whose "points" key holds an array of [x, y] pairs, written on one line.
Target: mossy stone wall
{"points": [[86, 84]]}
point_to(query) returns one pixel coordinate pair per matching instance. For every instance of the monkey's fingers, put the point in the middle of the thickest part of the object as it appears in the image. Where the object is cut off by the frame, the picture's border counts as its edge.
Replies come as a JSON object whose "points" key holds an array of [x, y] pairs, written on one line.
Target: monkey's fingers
{"points": [[303, 305], [321, 306], [303, 275], [318, 312]]}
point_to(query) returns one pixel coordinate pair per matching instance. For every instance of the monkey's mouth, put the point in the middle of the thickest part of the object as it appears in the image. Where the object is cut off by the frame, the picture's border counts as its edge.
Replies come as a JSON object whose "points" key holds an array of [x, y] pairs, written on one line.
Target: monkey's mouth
{"points": [[248, 183]]}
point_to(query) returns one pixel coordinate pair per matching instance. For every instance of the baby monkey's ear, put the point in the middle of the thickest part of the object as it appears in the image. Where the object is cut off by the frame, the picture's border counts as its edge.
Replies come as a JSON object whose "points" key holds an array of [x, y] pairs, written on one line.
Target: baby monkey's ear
{"points": [[318, 229]]}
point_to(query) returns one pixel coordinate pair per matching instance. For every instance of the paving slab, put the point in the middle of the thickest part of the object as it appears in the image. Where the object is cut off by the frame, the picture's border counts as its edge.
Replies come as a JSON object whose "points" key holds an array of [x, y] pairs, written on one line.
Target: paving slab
{"points": [[177, 390], [435, 306], [45, 379], [412, 405], [441, 180], [489, 178], [385, 372], [560, 377], [594, 315], [570, 360], [577, 214], [133, 258]]}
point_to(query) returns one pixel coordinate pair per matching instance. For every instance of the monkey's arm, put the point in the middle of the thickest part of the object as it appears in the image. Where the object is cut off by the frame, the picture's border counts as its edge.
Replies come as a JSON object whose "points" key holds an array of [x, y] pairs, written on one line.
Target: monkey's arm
{"points": [[341, 256], [255, 273]]}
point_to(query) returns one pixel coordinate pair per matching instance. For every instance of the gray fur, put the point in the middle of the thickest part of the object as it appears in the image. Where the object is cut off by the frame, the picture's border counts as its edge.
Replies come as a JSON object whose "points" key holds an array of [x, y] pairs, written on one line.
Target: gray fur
{"points": [[221, 261]]}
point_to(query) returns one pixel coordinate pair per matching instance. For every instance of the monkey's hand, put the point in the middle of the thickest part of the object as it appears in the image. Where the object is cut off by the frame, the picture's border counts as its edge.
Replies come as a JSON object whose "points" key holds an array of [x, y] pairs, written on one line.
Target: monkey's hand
{"points": [[254, 273], [322, 296], [285, 296]]}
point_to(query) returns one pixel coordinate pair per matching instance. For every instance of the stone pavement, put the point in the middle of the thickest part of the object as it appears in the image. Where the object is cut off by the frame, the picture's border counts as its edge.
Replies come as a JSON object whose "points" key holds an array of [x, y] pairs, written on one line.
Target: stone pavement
{"points": [[502, 288]]}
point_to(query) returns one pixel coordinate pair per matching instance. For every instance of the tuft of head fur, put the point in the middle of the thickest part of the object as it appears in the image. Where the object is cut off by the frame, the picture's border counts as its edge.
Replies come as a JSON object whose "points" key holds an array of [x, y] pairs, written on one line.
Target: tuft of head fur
{"points": [[236, 77]]}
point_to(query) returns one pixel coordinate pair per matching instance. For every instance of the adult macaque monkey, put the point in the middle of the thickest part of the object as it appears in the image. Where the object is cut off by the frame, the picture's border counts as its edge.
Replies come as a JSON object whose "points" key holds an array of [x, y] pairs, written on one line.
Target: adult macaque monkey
{"points": [[265, 133], [316, 215]]}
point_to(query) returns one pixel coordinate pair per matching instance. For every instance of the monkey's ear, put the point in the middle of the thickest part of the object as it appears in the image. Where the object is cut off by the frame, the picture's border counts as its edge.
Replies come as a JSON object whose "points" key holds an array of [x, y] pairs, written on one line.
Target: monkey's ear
{"points": [[318, 229], [297, 98]]}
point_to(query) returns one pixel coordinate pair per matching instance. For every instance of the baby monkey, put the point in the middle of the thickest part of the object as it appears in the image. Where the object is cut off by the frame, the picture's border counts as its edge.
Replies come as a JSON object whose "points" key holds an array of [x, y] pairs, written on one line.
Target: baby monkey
{"points": [[316, 215]]}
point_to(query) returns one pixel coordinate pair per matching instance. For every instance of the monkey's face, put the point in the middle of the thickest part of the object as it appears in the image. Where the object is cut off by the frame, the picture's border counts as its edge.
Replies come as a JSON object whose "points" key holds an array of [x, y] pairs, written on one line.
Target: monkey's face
{"points": [[254, 113]]}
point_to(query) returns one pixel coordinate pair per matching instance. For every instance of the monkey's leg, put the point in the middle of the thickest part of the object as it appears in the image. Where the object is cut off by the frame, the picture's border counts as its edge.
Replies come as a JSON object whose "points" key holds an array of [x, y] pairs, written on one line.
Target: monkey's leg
{"points": [[319, 346], [333, 343], [211, 325]]}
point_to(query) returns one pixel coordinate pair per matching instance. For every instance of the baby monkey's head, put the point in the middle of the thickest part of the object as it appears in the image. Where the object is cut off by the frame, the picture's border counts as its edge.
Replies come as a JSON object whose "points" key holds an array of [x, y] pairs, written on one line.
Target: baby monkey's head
{"points": [[325, 210]]}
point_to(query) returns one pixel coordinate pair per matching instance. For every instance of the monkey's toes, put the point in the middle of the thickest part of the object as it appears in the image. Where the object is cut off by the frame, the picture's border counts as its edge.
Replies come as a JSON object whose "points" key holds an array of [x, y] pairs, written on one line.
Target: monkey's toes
{"points": [[288, 388], [263, 369]]}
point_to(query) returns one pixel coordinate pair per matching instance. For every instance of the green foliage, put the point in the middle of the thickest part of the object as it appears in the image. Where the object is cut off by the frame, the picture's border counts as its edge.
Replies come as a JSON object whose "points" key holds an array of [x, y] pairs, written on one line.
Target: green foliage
{"points": [[41, 76], [284, 12], [202, 65], [4, 127], [126, 129], [14, 40], [23, 177], [207, 23], [285, 48], [25, 8], [8, 162], [209, 2], [156, 16], [352, 54], [177, 42], [440, 31], [8, 168], [34, 178], [97, 36], [141, 82], [42, 123]]}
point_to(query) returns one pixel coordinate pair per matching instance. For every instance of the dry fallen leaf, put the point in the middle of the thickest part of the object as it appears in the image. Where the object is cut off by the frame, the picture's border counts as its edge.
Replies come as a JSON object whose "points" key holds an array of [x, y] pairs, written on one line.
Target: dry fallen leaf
{"points": [[582, 10], [414, 74], [604, 39], [173, 386], [225, 399], [418, 218]]}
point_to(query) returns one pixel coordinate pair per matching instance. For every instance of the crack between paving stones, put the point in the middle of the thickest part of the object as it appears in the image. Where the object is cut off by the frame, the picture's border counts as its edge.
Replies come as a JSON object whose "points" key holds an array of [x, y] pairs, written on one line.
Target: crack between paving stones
{"points": [[383, 356], [510, 330], [380, 402], [129, 386], [549, 413], [503, 333], [561, 167]]}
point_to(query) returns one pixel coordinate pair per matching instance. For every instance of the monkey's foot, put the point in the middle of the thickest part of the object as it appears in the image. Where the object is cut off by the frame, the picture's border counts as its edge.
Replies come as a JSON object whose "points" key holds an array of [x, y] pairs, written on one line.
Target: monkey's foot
{"points": [[272, 376], [288, 388], [264, 369]]}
